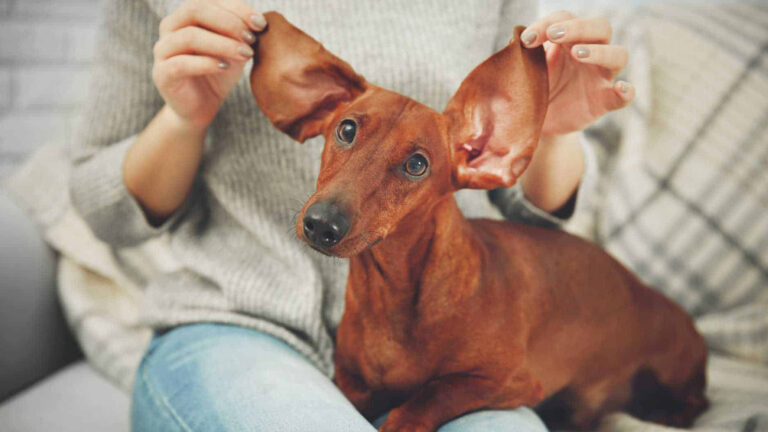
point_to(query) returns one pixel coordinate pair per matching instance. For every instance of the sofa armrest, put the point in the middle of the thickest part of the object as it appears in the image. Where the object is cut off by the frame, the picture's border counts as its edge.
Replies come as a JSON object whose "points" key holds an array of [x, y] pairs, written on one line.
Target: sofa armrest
{"points": [[34, 338]]}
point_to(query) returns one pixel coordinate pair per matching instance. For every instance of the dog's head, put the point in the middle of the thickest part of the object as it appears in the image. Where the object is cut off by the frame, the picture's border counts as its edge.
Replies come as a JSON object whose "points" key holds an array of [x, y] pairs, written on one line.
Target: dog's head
{"points": [[386, 156]]}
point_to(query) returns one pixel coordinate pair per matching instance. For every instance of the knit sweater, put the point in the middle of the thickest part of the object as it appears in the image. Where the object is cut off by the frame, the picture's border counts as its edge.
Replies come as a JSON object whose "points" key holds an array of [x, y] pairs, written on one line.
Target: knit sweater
{"points": [[240, 261]]}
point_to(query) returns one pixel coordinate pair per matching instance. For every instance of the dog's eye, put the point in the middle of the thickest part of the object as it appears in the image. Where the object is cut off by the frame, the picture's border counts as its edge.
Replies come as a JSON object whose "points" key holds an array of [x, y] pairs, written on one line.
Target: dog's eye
{"points": [[346, 131], [416, 165]]}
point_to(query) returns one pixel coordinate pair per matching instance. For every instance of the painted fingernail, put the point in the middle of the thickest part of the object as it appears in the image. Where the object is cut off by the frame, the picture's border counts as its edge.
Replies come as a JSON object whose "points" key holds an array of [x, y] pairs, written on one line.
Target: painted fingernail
{"points": [[528, 36], [555, 32], [582, 52], [624, 86], [259, 21], [223, 65], [249, 37], [245, 51]]}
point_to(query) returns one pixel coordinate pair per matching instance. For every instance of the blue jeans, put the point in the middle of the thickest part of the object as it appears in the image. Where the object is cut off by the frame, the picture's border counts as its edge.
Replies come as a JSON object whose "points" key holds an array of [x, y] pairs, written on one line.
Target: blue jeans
{"points": [[220, 378]]}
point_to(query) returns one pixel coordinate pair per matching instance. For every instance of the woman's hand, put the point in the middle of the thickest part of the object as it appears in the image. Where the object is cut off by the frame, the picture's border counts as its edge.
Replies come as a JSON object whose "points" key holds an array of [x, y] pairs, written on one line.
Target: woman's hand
{"points": [[582, 66], [203, 47]]}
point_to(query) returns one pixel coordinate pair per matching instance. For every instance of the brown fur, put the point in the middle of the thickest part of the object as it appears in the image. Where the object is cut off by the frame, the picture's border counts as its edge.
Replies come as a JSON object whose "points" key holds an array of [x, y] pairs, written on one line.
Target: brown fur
{"points": [[446, 315]]}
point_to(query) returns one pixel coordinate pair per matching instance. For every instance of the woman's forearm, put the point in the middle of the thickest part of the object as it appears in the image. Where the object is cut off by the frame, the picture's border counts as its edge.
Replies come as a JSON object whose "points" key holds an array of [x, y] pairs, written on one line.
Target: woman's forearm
{"points": [[554, 172], [160, 167]]}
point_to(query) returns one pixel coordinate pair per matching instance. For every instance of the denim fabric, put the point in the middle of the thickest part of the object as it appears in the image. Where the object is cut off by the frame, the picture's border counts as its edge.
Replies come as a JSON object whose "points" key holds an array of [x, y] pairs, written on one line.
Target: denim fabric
{"points": [[222, 378]]}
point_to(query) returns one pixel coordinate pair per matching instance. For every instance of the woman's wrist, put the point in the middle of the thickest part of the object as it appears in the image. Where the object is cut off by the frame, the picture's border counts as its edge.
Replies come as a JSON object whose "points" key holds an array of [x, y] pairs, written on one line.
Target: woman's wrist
{"points": [[181, 125], [555, 171], [160, 166]]}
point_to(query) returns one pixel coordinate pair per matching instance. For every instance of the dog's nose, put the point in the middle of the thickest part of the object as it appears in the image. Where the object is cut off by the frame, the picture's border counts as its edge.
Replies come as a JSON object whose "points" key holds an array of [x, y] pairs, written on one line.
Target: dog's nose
{"points": [[324, 224]]}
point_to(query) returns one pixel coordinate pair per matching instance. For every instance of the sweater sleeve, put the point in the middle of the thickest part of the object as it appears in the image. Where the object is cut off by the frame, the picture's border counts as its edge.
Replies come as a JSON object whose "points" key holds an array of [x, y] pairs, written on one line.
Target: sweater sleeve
{"points": [[122, 100], [513, 204]]}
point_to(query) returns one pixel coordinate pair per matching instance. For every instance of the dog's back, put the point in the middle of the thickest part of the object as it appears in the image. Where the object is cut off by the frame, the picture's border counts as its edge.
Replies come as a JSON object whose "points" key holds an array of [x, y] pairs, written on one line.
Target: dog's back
{"points": [[601, 340]]}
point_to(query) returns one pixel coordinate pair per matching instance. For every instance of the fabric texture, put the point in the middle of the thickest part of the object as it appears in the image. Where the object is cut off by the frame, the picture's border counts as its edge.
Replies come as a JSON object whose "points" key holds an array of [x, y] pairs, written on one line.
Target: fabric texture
{"points": [[229, 378]]}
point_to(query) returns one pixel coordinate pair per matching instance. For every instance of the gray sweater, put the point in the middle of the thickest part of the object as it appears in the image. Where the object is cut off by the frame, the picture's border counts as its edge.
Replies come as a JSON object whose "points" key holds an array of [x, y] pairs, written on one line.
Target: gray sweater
{"points": [[241, 261]]}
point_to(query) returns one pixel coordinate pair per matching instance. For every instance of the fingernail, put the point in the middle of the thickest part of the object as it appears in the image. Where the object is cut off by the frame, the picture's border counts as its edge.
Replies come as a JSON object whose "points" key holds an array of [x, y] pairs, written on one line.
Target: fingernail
{"points": [[259, 21], [624, 86], [249, 37], [528, 36], [582, 52], [223, 65], [245, 51], [555, 32]]}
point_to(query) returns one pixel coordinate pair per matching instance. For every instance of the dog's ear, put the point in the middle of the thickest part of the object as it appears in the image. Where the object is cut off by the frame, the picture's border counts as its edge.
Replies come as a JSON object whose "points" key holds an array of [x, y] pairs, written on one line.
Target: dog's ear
{"points": [[495, 118], [297, 83]]}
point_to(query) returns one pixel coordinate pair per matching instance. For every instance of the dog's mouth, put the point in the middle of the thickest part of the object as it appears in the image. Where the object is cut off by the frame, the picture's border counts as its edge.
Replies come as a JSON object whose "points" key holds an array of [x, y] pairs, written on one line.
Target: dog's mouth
{"points": [[319, 249], [348, 247]]}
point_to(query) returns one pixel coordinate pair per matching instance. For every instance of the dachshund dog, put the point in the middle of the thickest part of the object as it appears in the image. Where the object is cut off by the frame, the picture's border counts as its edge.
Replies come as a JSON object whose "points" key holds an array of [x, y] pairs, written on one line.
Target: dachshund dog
{"points": [[445, 315]]}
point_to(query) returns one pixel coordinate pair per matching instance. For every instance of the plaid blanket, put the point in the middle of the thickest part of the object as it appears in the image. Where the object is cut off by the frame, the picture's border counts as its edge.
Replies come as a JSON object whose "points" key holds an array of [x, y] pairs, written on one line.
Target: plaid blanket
{"points": [[683, 196]]}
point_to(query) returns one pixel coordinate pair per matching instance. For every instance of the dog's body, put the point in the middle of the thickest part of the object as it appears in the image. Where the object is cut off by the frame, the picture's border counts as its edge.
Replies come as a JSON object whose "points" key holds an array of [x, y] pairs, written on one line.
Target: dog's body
{"points": [[520, 314], [446, 315]]}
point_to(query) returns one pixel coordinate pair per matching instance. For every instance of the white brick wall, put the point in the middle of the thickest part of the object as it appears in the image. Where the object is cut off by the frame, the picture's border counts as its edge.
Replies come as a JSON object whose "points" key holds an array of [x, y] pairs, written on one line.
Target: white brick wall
{"points": [[46, 48]]}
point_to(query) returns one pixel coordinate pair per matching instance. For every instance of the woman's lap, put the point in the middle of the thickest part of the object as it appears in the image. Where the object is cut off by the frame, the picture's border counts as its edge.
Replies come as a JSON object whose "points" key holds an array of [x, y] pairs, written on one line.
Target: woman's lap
{"points": [[210, 377]]}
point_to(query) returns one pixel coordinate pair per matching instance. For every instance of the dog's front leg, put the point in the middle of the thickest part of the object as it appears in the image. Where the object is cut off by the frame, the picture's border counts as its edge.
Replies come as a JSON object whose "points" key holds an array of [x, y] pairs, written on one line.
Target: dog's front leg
{"points": [[371, 404], [354, 389], [450, 396]]}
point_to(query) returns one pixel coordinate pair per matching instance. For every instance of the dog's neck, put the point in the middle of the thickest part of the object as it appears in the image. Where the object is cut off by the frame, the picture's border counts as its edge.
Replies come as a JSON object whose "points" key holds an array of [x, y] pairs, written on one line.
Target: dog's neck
{"points": [[429, 255]]}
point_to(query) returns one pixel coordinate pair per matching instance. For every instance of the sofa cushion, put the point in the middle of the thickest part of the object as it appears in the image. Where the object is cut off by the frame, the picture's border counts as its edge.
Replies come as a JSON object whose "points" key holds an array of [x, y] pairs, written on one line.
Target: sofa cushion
{"points": [[75, 399], [34, 338]]}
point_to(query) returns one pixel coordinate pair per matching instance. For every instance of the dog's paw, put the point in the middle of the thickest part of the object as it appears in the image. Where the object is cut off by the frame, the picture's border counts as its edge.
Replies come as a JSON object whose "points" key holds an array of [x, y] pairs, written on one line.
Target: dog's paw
{"points": [[404, 428], [397, 422]]}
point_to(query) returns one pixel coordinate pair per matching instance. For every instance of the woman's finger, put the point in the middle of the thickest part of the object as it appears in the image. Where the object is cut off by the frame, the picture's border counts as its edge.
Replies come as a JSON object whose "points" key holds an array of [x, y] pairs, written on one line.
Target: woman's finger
{"points": [[617, 96], [535, 34], [254, 19], [205, 14], [582, 30], [185, 66], [196, 40], [612, 57]]}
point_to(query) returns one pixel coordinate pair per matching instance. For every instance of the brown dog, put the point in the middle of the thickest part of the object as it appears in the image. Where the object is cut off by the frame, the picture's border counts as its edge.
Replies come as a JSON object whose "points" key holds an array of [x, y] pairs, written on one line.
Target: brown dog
{"points": [[446, 315]]}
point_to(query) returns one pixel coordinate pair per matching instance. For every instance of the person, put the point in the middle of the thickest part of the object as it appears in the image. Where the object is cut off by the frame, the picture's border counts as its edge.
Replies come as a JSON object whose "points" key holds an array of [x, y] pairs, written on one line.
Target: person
{"points": [[172, 142]]}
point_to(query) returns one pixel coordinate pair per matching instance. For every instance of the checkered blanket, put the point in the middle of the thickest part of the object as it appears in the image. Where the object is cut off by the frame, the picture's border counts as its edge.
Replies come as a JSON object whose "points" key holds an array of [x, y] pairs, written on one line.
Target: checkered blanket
{"points": [[683, 196]]}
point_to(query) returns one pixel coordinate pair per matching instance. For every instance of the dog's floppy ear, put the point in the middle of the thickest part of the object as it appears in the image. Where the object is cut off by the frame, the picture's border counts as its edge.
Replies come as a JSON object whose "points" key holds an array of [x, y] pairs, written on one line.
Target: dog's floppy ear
{"points": [[297, 83], [495, 118]]}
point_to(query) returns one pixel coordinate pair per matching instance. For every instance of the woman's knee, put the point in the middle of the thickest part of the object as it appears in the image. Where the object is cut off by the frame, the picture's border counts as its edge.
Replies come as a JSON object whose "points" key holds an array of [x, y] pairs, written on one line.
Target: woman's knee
{"points": [[150, 408], [522, 419], [167, 383], [189, 371], [215, 377]]}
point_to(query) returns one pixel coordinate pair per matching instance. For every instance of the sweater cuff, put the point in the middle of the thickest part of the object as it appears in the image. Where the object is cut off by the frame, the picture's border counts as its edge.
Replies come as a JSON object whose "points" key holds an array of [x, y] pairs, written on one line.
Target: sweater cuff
{"points": [[516, 207], [99, 194]]}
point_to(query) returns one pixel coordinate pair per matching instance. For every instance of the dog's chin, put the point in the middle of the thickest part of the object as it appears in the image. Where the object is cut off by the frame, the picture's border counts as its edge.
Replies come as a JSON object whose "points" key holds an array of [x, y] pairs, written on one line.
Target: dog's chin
{"points": [[357, 244]]}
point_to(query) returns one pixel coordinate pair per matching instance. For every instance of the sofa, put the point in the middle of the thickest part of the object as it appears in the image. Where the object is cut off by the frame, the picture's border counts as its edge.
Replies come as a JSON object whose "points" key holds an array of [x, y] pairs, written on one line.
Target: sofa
{"points": [[45, 384]]}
